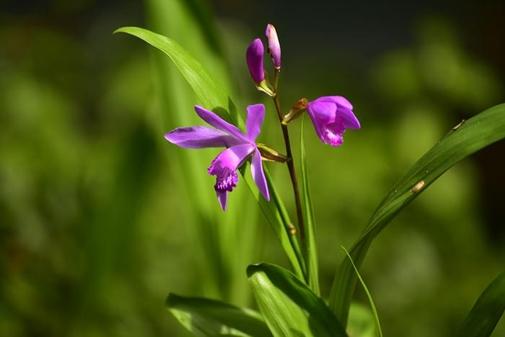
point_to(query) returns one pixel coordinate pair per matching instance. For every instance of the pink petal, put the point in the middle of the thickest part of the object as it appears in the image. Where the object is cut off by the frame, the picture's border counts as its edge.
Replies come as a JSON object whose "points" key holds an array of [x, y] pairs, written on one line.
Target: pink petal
{"points": [[258, 174], [255, 117], [199, 137], [219, 123]]}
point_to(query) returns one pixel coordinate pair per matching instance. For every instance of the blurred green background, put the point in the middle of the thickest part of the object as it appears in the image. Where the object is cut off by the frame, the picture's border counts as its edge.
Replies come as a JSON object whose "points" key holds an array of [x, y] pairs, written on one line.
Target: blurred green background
{"points": [[98, 225]]}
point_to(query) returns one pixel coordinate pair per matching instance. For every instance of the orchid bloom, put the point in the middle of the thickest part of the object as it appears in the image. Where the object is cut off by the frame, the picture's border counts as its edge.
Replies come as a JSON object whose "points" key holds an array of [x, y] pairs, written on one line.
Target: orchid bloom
{"points": [[331, 115], [239, 148]]}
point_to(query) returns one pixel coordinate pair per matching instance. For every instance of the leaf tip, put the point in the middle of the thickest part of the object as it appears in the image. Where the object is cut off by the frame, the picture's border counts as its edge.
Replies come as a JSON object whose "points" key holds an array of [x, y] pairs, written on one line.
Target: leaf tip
{"points": [[125, 29], [172, 300], [253, 268]]}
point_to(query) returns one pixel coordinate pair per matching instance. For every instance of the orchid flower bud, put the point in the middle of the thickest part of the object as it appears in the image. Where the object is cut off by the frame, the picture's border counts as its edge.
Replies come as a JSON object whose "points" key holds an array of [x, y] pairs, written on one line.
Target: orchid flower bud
{"points": [[254, 57], [274, 48]]}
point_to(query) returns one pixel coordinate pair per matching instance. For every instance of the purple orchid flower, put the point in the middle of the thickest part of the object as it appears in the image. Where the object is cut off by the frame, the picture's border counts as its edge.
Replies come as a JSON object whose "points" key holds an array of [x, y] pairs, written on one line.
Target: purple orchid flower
{"points": [[254, 56], [239, 148], [274, 47], [331, 115]]}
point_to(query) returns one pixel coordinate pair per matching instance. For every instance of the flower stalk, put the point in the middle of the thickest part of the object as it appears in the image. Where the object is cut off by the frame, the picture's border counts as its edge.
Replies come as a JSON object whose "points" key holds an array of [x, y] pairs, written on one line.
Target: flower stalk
{"points": [[291, 168]]}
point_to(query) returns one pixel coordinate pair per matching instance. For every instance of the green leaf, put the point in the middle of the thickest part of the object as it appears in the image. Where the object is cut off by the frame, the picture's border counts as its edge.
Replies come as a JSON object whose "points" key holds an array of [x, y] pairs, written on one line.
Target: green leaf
{"points": [[487, 311], [288, 306], [278, 216], [310, 251], [208, 93], [463, 140], [361, 321], [368, 294], [206, 317], [212, 95]]}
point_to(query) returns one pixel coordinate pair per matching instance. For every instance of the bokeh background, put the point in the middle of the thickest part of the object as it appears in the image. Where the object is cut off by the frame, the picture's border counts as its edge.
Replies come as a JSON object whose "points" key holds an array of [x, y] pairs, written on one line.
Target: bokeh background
{"points": [[97, 216]]}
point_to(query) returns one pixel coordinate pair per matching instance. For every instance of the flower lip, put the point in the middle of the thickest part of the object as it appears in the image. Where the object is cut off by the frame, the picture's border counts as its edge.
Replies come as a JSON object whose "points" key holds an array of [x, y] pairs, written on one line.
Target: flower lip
{"points": [[226, 179], [254, 57]]}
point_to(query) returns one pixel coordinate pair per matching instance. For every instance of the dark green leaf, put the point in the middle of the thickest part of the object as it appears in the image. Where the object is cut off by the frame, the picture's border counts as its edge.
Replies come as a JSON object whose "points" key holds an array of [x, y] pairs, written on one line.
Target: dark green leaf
{"points": [[463, 140], [288, 306], [206, 317], [487, 311]]}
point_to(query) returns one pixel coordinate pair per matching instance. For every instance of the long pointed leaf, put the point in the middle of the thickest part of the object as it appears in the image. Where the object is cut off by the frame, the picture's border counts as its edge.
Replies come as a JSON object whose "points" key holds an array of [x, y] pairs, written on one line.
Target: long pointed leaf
{"points": [[310, 252], [487, 311], [208, 93], [368, 293], [288, 306], [463, 140], [210, 318]]}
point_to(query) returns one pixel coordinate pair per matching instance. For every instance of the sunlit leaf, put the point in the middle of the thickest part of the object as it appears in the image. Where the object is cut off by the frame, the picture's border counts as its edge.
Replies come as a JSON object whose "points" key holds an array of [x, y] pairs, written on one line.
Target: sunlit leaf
{"points": [[207, 91], [310, 251], [487, 311], [463, 140], [368, 294], [361, 321], [210, 318], [288, 306]]}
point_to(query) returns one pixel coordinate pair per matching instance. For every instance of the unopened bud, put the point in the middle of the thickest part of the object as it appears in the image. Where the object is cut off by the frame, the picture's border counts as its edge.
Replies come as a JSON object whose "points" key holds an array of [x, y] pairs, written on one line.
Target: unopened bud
{"points": [[254, 58], [274, 47]]}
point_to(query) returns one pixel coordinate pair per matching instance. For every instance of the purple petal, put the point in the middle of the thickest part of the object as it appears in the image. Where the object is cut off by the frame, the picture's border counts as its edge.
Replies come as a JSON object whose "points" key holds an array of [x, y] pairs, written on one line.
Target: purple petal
{"points": [[259, 175], [199, 136], [255, 117], [254, 57], [321, 111], [349, 119], [222, 197], [344, 111], [339, 100], [231, 158], [219, 123]]}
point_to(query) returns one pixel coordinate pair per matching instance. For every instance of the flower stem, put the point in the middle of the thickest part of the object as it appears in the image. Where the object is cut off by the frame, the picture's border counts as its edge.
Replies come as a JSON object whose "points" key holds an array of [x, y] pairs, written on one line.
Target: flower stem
{"points": [[291, 168]]}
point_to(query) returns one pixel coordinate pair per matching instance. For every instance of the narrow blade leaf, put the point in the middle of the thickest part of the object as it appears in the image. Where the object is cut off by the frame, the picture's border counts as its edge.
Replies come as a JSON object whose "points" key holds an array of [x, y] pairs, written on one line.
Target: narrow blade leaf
{"points": [[198, 78], [487, 311], [210, 318], [368, 294], [288, 306], [310, 252], [463, 140]]}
